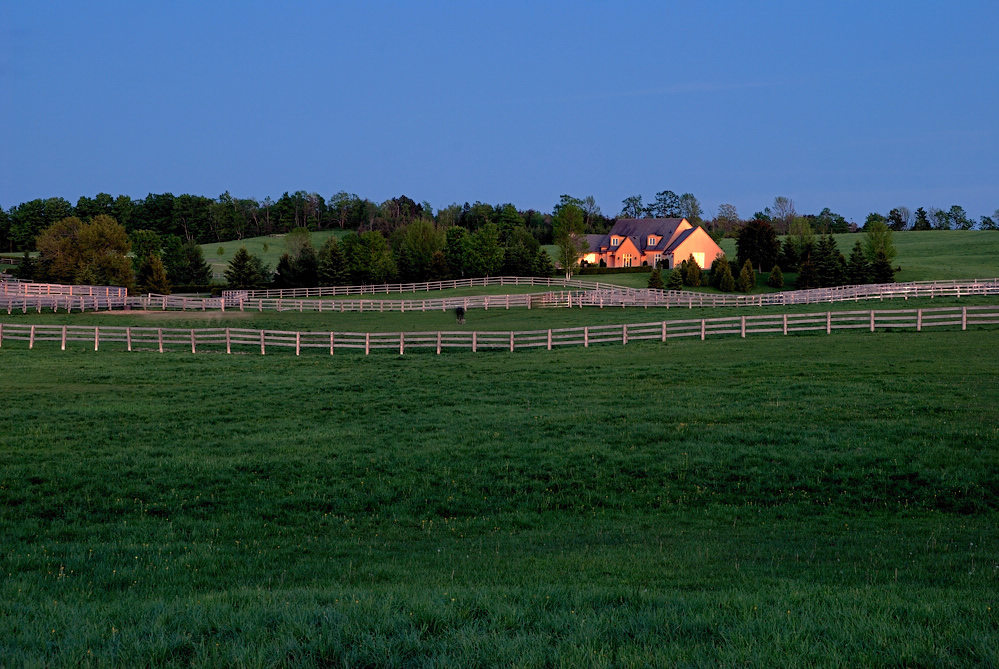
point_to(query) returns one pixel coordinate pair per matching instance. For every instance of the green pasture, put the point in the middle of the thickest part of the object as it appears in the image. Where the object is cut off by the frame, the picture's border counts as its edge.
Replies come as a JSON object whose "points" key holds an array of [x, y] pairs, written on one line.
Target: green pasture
{"points": [[774, 501], [926, 255], [494, 319], [268, 248]]}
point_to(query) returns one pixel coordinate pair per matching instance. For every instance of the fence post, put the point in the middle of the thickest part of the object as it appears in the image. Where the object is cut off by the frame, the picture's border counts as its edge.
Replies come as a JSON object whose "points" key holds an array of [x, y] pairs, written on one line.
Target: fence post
{"points": [[511, 341], [128, 339], [367, 343], [785, 324], [438, 342], [31, 338], [664, 332], [298, 342], [872, 320], [193, 345], [703, 328], [919, 320], [331, 343], [475, 341], [263, 345], [549, 339], [159, 334], [228, 342], [742, 328], [586, 336], [97, 337], [402, 343], [828, 322], [624, 334], [964, 318], [63, 343]]}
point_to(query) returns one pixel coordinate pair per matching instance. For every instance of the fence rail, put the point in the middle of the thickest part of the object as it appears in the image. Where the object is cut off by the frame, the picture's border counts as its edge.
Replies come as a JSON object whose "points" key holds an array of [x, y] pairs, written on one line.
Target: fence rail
{"points": [[426, 286], [241, 340], [596, 295], [16, 288]]}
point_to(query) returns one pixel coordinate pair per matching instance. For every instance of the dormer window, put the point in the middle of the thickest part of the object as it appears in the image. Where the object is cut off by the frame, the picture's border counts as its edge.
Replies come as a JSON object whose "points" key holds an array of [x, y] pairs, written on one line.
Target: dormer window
{"points": [[653, 240], [615, 241]]}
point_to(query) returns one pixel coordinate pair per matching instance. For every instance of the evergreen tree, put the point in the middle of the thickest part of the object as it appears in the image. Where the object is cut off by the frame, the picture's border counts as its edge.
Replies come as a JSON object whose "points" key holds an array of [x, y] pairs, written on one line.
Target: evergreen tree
{"points": [[881, 269], [185, 263], [807, 275], [830, 265], [922, 220], [656, 279], [726, 282], [776, 278], [331, 270], [858, 269], [25, 271], [691, 272], [714, 280], [543, 265], [747, 278], [674, 280], [246, 271], [284, 273], [152, 276], [757, 242]]}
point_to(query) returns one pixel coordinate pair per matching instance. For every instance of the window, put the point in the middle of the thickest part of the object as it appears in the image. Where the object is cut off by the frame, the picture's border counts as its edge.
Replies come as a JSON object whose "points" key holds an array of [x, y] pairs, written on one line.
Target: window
{"points": [[653, 240], [699, 259], [627, 260], [655, 259], [615, 241]]}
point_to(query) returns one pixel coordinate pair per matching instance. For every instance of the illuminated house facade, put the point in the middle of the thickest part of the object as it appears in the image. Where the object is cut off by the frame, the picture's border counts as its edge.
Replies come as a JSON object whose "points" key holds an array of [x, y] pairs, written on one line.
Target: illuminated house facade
{"points": [[634, 242]]}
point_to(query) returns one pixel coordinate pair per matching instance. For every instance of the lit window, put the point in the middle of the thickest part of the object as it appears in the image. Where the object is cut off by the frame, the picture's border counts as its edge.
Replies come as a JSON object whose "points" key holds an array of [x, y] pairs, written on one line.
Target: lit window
{"points": [[652, 241], [615, 241]]}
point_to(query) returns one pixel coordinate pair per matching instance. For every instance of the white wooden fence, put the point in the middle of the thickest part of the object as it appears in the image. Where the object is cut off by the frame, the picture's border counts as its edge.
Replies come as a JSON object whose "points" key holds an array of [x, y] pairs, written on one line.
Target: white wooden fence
{"points": [[13, 287], [240, 340], [90, 298], [426, 286]]}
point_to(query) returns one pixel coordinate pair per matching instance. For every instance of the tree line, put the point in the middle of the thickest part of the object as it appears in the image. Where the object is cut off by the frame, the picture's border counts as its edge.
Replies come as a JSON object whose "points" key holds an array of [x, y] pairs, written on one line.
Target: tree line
{"points": [[419, 251], [203, 220]]}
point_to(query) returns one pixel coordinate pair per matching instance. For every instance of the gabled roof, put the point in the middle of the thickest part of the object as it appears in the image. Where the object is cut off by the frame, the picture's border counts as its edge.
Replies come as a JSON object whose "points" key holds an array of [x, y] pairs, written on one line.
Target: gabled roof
{"points": [[643, 227], [680, 239], [597, 242]]}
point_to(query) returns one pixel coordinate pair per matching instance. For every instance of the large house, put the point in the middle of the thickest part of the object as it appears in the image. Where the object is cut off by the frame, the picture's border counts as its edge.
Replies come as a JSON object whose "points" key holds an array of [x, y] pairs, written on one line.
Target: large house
{"points": [[633, 242]]}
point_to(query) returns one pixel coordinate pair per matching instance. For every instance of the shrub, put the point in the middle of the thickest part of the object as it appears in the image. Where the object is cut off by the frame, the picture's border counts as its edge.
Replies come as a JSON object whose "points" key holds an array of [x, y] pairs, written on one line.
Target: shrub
{"points": [[776, 278], [656, 279], [747, 278], [673, 280]]}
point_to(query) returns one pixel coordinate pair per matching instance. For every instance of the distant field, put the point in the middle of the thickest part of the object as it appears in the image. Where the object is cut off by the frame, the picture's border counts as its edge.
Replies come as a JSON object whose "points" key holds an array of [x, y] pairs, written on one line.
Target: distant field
{"points": [[775, 501], [256, 245], [931, 254]]}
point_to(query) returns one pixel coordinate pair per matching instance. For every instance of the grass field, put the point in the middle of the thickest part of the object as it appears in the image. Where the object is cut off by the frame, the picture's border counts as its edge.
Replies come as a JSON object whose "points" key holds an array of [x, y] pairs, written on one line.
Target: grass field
{"points": [[268, 248], [498, 319], [931, 254], [776, 501]]}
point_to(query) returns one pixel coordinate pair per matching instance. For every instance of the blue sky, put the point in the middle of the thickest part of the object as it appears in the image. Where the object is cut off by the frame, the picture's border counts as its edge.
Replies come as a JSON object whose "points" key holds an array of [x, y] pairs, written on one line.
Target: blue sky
{"points": [[855, 106]]}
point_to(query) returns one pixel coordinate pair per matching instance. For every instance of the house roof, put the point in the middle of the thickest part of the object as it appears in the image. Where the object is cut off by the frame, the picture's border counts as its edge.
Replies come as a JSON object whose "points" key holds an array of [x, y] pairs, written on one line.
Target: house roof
{"points": [[639, 230], [681, 238], [596, 242]]}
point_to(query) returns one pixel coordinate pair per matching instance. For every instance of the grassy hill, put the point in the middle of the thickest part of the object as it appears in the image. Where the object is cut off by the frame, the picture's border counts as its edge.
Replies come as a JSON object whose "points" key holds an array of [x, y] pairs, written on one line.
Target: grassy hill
{"points": [[824, 500], [931, 254], [268, 247]]}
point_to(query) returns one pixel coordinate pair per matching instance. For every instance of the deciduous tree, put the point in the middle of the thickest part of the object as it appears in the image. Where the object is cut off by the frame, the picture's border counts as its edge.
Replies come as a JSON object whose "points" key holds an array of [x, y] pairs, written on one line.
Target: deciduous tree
{"points": [[632, 207], [568, 231]]}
